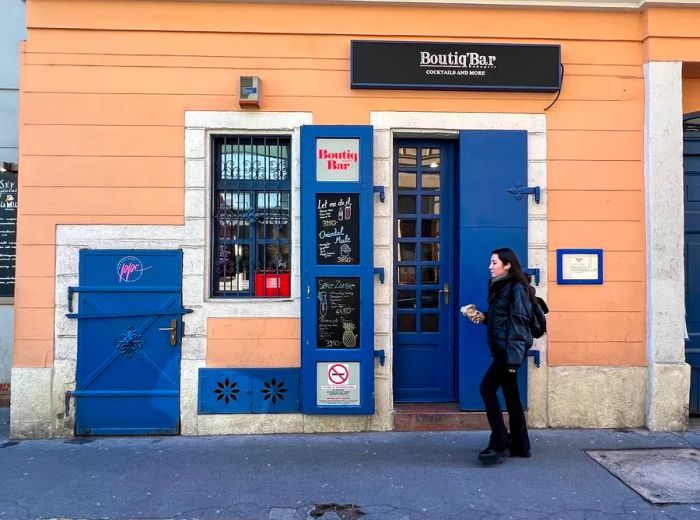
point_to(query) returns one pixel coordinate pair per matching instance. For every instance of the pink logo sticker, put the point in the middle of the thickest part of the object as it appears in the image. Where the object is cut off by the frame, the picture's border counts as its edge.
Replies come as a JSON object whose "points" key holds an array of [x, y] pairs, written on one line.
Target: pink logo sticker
{"points": [[130, 269]]}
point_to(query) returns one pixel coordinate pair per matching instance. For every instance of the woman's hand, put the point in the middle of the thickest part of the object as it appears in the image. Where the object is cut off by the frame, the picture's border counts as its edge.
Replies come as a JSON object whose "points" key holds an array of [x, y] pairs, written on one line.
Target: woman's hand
{"points": [[471, 312]]}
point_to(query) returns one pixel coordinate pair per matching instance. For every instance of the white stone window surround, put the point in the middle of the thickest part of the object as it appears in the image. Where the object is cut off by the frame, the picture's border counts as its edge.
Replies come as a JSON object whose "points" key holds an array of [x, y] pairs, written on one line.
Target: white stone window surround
{"points": [[192, 238], [391, 125]]}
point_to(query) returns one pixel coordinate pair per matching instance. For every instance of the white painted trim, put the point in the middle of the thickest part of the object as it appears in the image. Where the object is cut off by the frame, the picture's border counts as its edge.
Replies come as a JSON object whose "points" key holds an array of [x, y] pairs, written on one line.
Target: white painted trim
{"points": [[388, 125], [663, 173]]}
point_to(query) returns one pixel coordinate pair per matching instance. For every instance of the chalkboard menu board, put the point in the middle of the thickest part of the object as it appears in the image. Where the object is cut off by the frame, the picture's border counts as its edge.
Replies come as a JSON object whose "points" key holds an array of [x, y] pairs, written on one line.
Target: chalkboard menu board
{"points": [[337, 228], [338, 312], [8, 232]]}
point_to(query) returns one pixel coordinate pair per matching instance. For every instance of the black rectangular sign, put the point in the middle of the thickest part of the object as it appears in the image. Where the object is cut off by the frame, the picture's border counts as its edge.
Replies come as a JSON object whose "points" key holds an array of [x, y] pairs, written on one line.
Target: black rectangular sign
{"points": [[337, 228], [455, 66], [8, 232], [338, 312]]}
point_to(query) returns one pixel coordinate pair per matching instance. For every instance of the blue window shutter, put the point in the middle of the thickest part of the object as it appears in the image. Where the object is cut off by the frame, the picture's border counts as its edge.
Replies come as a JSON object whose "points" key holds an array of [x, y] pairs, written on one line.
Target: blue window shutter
{"points": [[315, 359], [492, 214]]}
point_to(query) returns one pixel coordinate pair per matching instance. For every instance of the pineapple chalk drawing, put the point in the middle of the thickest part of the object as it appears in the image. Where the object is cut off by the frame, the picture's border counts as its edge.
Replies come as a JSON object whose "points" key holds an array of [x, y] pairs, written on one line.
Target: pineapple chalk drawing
{"points": [[349, 338]]}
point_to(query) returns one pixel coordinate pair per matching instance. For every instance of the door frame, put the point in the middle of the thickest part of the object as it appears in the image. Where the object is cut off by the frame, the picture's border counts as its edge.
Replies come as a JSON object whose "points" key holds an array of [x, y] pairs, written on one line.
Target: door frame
{"points": [[449, 183], [396, 125]]}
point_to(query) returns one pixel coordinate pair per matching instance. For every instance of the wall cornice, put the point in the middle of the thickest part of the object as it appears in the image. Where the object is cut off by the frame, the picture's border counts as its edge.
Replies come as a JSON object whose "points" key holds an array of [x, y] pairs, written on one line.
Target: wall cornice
{"points": [[611, 5]]}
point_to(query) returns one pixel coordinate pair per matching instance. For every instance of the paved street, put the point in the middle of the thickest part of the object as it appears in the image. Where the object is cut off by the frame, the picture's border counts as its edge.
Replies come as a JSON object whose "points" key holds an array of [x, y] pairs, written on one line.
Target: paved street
{"points": [[422, 475]]}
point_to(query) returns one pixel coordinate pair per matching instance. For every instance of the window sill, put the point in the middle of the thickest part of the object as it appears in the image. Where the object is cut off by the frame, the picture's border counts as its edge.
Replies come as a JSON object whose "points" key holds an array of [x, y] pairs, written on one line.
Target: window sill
{"points": [[215, 299]]}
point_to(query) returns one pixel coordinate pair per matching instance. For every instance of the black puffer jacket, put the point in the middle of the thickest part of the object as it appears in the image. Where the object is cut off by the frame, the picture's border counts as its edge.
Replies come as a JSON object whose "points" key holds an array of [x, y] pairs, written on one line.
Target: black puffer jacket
{"points": [[507, 320]]}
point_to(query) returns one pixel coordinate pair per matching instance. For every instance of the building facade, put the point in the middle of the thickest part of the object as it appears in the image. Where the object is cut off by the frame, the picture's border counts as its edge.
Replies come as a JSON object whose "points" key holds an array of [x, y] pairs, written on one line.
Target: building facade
{"points": [[264, 217], [13, 32]]}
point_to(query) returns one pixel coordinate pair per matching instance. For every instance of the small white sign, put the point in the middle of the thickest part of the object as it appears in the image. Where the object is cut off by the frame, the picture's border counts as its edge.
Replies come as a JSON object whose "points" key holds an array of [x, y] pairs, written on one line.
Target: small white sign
{"points": [[338, 383], [580, 266], [337, 159]]}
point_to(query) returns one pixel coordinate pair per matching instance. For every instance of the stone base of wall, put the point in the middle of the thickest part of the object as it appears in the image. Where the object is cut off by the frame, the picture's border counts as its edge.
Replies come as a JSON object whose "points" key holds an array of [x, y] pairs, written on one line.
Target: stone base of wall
{"points": [[597, 397], [30, 406], [668, 390], [559, 397]]}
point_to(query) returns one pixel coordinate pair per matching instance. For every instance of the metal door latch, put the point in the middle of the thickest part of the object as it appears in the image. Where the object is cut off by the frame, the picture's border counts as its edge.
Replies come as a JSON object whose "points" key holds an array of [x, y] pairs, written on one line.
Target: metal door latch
{"points": [[446, 292], [173, 332]]}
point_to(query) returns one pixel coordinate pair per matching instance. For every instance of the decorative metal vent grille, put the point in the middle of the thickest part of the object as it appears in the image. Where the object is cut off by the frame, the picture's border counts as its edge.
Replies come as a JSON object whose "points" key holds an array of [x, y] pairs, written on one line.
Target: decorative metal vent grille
{"points": [[248, 390]]}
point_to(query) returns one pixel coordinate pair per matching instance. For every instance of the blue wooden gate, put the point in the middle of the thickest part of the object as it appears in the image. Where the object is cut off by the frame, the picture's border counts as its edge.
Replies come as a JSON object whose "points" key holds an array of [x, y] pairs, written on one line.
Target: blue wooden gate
{"points": [[691, 167], [492, 214], [424, 303], [129, 338]]}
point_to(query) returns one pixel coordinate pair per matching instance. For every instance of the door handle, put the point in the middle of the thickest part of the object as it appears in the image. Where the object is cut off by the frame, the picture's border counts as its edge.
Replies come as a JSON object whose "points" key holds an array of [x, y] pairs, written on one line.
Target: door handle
{"points": [[173, 332], [446, 292]]}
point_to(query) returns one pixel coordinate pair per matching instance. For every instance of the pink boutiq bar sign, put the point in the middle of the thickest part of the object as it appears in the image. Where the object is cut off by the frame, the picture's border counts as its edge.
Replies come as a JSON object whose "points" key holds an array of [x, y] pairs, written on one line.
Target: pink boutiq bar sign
{"points": [[338, 159]]}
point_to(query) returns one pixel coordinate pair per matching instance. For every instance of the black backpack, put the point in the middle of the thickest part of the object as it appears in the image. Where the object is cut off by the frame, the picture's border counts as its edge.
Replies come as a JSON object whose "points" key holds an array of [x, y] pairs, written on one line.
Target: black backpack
{"points": [[538, 320]]}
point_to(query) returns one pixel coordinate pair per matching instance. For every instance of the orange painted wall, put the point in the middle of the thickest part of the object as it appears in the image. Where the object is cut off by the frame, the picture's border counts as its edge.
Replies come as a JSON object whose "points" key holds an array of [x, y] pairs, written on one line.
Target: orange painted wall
{"points": [[253, 342], [691, 95], [105, 85], [672, 34]]}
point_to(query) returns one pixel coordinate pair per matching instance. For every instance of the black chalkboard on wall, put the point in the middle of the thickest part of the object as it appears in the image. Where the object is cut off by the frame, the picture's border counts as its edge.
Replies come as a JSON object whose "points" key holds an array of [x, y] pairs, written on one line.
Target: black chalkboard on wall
{"points": [[8, 232], [337, 228], [338, 312]]}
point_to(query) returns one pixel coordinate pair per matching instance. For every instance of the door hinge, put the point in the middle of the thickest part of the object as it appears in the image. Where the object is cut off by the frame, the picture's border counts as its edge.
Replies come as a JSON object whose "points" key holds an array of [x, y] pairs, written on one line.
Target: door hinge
{"points": [[534, 272], [381, 355], [379, 271], [380, 190], [519, 191]]}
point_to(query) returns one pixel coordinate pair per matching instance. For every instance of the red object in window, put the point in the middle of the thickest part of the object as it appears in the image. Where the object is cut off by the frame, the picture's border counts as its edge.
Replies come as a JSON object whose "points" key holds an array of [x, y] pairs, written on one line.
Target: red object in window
{"points": [[271, 283]]}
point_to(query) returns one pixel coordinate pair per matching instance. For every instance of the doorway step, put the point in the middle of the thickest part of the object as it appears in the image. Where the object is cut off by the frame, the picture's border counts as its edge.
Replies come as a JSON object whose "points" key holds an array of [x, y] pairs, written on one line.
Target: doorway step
{"points": [[410, 417]]}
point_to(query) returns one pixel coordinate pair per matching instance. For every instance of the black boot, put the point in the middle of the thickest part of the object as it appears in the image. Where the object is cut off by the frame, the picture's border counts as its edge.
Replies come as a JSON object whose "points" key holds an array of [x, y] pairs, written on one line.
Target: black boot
{"points": [[491, 456]]}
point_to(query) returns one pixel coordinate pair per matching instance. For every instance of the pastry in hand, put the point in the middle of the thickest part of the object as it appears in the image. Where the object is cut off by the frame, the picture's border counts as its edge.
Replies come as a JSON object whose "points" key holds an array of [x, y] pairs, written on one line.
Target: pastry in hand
{"points": [[471, 312]]}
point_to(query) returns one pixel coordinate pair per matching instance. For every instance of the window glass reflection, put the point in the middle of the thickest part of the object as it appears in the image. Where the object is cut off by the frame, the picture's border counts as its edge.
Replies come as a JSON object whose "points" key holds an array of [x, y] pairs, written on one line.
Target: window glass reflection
{"points": [[430, 323], [407, 227], [407, 275], [407, 157], [407, 204], [430, 252], [407, 323], [406, 299], [407, 252], [430, 204], [407, 180], [430, 157], [430, 228], [430, 275]]}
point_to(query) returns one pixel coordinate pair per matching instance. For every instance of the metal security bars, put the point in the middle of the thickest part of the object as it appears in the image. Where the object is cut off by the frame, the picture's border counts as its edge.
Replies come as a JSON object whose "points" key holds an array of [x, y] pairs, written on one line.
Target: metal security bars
{"points": [[250, 216], [691, 122]]}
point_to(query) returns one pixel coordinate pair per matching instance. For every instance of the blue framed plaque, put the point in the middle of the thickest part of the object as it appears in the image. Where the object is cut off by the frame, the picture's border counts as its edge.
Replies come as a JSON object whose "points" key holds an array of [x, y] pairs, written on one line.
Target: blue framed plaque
{"points": [[579, 266]]}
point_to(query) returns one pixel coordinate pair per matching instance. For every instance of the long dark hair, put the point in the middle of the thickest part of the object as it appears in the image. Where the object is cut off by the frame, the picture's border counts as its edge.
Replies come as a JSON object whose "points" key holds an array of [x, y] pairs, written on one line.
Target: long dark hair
{"points": [[508, 256]]}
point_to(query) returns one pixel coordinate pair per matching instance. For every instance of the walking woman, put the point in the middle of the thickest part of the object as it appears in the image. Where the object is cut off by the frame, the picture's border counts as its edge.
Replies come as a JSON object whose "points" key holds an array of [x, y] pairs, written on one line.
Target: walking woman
{"points": [[507, 321]]}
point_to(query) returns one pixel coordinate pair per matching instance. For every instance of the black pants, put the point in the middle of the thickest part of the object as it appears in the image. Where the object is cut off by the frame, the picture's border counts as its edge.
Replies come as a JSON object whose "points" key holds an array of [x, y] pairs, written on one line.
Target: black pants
{"points": [[498, 376]]}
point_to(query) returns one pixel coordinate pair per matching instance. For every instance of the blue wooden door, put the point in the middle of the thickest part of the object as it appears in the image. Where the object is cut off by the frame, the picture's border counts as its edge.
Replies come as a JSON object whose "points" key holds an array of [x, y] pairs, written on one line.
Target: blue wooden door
{"points": [[492, 214], [129, 338], [691, 167], [424, 360]]}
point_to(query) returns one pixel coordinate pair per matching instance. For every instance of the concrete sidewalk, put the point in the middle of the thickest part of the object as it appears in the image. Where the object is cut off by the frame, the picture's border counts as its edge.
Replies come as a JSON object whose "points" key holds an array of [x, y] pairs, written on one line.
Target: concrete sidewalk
{"points": [[422, 475]]}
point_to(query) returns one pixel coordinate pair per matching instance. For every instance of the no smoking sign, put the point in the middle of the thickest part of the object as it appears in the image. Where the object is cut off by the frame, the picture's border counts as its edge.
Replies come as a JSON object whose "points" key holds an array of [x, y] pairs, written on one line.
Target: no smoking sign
{"points": [[338, 374], [338, 383]]}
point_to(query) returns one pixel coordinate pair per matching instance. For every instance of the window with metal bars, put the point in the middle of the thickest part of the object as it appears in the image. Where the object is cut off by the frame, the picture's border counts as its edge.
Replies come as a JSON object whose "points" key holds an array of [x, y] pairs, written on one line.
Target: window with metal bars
{"points": [[251, 192]]}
